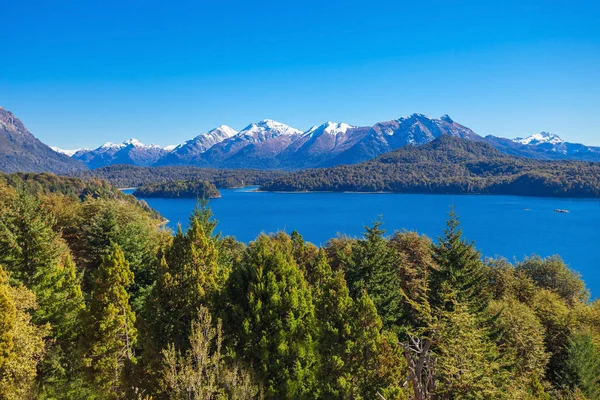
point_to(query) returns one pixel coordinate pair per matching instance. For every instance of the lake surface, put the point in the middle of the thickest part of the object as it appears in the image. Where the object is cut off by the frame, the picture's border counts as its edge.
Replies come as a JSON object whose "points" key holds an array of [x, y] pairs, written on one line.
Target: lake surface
{"points": [[508, 226]]}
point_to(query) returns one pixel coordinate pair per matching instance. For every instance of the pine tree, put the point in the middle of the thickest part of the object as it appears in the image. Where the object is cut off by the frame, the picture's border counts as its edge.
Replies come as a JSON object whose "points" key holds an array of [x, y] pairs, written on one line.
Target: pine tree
{"points": [[27, 241], [189, 275], [583, 365], [358, 359], [270, 315], [460, 267], [110, 327], [375, 269]]}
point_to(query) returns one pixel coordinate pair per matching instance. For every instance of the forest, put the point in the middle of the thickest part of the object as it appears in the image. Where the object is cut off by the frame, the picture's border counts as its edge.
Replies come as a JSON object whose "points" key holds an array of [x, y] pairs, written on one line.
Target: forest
{"points": [[450, 165], [129, 176], [179, 189], [98, 300]]}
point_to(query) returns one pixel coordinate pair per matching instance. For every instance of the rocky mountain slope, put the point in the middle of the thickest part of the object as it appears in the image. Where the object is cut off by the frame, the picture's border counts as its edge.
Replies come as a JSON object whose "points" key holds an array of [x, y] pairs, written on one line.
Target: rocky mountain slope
{"points": [[20, 151]]}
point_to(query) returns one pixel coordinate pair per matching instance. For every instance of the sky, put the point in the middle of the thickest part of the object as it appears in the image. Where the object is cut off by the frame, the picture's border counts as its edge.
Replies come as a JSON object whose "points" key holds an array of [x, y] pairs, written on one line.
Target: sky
{"points": [[80, 73]]}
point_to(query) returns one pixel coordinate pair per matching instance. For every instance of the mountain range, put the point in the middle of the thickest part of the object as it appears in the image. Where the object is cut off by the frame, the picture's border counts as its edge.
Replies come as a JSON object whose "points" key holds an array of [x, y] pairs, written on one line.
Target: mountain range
{"points": [[269, 144], [449, 165]]}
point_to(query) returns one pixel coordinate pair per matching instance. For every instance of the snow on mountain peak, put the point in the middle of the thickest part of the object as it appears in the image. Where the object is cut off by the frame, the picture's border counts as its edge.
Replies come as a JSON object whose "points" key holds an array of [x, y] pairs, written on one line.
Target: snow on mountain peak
{"points": [[130, 142], [334, 128], [268, 128], [331, 128], [134, 142], [540, 138], [111, 145], [65, 152], [171, 147], [228, 131]]}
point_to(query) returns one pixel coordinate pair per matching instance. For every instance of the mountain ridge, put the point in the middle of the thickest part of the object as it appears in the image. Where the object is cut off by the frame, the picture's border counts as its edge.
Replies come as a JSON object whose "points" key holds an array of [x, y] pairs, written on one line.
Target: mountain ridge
{"points": [[269, 144]]}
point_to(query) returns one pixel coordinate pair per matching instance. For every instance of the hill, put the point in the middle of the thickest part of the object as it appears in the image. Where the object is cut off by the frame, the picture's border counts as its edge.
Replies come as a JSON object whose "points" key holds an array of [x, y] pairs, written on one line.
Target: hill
{"points": [[131, 176], [450, 165], [179, 189]]}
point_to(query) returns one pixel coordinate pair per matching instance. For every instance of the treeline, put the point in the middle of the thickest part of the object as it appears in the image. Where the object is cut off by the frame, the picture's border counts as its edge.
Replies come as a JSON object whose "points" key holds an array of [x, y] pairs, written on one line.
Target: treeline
{"points": [[177, 189], [128, 176], [97, 301], [450, 165]]}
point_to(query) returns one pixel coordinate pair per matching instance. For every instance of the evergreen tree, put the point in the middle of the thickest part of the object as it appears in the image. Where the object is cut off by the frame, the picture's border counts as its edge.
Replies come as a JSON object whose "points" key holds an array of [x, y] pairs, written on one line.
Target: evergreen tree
{"points": [[583, 365], [204, 372], [38, 258], [8, 313], [460, 267], [416, 253], [110, 327], [375, 269], [189, 275], [22, 342], [27, 241], [469, 365], [271, 318], [358, 359]]}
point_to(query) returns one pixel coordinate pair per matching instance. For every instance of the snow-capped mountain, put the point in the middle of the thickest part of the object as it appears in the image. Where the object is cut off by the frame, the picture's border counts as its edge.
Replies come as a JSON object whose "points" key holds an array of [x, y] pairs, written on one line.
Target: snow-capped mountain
{"points": [[131, 151], [390, 135], [540, 138], [255, 146], [267, 129], [69, 153], [190, 151], [545, 145], [272, 144], [320, 144]]}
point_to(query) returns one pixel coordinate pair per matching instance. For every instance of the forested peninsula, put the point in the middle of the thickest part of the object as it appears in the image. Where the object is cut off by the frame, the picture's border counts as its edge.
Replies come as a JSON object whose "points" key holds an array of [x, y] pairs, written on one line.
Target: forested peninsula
{"points": [[98, 300], [179, 189], [450, 165]]}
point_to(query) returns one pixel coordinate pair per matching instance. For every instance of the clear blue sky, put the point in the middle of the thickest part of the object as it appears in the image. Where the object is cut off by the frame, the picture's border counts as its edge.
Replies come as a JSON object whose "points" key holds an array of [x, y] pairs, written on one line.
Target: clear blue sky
{"points": [[79, 73]]}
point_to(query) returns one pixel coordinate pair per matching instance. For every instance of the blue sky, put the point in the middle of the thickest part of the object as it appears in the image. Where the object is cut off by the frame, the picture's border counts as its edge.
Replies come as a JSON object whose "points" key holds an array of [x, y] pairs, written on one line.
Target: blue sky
{"points": [[79, 73]]}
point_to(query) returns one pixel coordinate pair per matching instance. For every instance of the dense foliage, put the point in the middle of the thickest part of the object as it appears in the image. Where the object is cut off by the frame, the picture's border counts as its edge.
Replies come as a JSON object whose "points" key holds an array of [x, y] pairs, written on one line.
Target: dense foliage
{"points": [[99, 301], [175, 189], [450, 165], [128, 176]]}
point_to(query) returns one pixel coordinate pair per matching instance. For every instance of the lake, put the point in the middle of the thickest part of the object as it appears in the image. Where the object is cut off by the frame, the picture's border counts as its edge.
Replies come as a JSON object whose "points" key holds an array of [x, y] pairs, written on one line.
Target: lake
{"points": [[508, 226]]}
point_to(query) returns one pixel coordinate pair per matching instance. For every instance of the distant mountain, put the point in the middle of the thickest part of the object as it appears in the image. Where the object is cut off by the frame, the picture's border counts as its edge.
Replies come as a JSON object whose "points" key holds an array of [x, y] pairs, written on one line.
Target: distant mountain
{"points": [[320, 144], [450, 165], [20, 151], [415, 129], [189, 153], [255, 146], [272, 145], [68, 153], [545, 146], [131, 152]]}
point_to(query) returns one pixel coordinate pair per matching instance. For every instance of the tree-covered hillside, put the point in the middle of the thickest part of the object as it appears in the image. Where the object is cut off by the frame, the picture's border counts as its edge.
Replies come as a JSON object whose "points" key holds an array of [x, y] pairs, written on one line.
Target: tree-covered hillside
{"points": [[99, 301], [128, 176], [450, 165], [179, 189]]}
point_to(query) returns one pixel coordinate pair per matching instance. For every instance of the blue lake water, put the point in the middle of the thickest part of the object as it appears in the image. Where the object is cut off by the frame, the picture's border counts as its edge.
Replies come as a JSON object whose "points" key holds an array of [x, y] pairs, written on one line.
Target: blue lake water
{"points": [[508, 226]]}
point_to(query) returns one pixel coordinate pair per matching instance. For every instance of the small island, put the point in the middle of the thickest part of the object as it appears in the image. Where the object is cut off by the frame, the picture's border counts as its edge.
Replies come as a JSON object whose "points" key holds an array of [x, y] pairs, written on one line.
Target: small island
{"points": [[179, 189]]}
